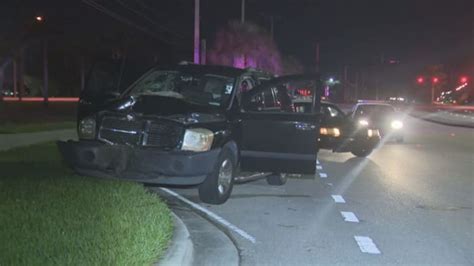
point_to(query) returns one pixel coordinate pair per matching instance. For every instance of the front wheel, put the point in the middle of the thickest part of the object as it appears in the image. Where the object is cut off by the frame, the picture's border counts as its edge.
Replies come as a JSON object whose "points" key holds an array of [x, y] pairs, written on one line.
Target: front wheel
{"points": [[277, 179], [362, 152], [217, 187]]}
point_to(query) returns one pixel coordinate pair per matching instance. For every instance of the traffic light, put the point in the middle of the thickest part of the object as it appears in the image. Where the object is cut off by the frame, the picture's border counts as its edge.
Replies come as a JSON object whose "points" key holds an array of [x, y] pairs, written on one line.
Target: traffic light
{"points": [[463, 79], [435, 80], [420, 80]]}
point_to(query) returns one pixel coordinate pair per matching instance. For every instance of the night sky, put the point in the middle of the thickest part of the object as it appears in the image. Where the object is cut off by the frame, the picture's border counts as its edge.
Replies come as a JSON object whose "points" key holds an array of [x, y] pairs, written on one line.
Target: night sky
{"points": [[355, 33]]}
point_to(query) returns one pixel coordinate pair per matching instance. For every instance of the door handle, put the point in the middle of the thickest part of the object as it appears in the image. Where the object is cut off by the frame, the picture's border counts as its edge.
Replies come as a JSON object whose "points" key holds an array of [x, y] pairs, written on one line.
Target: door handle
{"points": [[304, 126]]}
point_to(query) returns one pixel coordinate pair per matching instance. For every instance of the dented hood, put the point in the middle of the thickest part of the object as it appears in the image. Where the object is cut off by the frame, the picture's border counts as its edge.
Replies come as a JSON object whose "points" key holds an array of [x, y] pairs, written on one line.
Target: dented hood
{"points": [[168, 107]]}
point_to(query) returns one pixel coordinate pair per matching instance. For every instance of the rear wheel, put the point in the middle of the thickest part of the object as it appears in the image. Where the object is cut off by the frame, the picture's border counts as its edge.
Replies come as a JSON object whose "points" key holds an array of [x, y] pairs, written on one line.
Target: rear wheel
{"points": [[362, 152], [217, 187], [277, 179]]}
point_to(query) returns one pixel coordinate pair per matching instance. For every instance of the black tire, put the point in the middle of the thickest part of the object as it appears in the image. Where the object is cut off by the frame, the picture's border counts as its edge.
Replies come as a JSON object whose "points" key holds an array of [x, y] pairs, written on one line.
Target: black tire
{"points": [[362, 152], [211, 190], [400, 140], [277, 179]]}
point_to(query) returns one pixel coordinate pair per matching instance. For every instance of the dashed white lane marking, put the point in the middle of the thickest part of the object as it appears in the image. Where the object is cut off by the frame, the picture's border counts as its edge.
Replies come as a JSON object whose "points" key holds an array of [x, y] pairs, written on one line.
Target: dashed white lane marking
{"points": [[323, 175], [366, 245], [317, 161], [319, 167], [212, 215], [350, 217], [338, 198]]}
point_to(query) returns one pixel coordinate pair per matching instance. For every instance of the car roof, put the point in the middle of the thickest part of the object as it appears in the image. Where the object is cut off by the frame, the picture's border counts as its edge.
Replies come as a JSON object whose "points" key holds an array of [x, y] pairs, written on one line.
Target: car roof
{"points": [[212, 69], [373, 104]]}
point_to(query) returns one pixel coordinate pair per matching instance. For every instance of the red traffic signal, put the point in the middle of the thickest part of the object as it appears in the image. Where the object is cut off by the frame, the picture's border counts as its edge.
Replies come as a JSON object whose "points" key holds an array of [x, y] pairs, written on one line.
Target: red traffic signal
{"points": [[463, 79], [420, 80], [435, 80]]}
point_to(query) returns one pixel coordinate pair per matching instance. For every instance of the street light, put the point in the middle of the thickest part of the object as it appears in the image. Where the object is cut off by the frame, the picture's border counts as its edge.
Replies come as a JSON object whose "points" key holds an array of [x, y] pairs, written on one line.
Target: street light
{"points": [[39, 18]]}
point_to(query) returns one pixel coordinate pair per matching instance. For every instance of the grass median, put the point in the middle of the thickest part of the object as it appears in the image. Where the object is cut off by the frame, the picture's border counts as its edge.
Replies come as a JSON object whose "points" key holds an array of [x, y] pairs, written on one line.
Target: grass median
{"points": [[25, 117], [49, 216], [12, 128]]}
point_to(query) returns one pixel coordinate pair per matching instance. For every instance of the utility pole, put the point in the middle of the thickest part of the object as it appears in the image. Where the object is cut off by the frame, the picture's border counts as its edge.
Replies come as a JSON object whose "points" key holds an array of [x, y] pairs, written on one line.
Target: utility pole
{"points": [[45, 73], [83, 74], [345, 84], [242, 12], [203, 51], [356, 93], [317, 57], [197, 53], [15, 77], [21, 85], [271, 26]]}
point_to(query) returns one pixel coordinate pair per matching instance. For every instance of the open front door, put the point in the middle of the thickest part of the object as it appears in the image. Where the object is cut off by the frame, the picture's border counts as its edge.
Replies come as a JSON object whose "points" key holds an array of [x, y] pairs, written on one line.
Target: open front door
{"points": [[276, 136]]}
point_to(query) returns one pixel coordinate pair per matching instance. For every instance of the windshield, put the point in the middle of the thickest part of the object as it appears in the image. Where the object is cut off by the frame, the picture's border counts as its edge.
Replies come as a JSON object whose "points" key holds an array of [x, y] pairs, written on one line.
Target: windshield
{"points": [[202, 89], [374, 110]]}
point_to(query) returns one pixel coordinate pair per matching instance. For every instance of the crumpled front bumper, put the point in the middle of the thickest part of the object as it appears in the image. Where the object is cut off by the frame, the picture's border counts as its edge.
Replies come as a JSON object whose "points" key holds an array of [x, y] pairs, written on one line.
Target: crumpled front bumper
{"points": [[145, 165]]}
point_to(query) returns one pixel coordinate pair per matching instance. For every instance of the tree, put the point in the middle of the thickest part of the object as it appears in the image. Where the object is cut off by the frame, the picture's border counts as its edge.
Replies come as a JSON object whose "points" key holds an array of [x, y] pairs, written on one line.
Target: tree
{"points": [[245, 45]]}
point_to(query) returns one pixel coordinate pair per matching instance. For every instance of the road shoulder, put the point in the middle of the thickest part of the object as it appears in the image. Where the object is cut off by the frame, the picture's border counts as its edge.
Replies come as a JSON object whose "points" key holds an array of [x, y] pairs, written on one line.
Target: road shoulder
{"points": [[210, 245]]}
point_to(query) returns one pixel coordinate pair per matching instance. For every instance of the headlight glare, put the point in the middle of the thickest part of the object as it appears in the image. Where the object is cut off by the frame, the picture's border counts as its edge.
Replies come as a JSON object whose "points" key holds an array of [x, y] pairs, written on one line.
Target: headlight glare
{"points": [[397, 124], [363, 122], [197, 139], [87, 128], [373, 133], [333, 132]]}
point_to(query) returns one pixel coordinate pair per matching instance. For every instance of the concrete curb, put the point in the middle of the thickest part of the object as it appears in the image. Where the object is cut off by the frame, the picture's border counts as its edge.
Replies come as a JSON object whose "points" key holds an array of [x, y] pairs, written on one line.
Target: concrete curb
{"points": [[181, 249]]}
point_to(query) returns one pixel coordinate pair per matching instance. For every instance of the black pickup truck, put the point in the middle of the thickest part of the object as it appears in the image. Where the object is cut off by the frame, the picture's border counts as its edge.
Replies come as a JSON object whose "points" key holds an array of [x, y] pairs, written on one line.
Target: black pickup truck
{"points": [[198, 125]]}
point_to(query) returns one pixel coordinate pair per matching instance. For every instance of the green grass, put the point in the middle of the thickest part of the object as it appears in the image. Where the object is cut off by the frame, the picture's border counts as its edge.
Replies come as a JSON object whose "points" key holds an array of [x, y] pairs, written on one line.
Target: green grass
{"points": [[11, 128], [49, 216], [21, 117]]}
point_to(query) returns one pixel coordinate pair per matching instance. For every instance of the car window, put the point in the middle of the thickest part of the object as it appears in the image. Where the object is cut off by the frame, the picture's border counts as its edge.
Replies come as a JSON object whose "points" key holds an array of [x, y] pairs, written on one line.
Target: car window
{"points": [[373, 110], [284, 97], [264, 101], [330, 111]]}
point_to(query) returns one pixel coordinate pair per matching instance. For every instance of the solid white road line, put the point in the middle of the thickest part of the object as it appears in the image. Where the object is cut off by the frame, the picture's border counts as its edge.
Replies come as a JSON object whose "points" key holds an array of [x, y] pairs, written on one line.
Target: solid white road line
{"points": [[350, 217], [212, 215], [338, 198], [319, 167], [323, 175], [366, 245]]}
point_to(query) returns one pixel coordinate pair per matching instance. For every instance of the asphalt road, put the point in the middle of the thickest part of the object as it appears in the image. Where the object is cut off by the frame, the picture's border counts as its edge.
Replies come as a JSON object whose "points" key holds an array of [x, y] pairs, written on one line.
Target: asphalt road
{"points": [[413, 203]]}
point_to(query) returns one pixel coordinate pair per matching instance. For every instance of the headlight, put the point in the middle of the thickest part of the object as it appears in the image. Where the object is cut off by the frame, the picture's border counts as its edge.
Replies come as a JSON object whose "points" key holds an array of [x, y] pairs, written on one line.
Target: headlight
{"points": [[197, 139], [396, 124], [363, 122], [373, 133], [334, 132], [86, 128]]}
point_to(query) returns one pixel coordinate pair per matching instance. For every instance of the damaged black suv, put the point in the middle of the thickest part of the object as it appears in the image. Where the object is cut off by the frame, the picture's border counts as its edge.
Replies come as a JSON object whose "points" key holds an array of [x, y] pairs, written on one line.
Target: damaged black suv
{"points": [[198, 125]]}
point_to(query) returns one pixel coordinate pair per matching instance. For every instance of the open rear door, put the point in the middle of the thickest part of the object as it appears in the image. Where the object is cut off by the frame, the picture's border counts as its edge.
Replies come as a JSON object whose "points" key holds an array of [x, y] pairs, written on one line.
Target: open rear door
{"points": [[275, 137]]}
